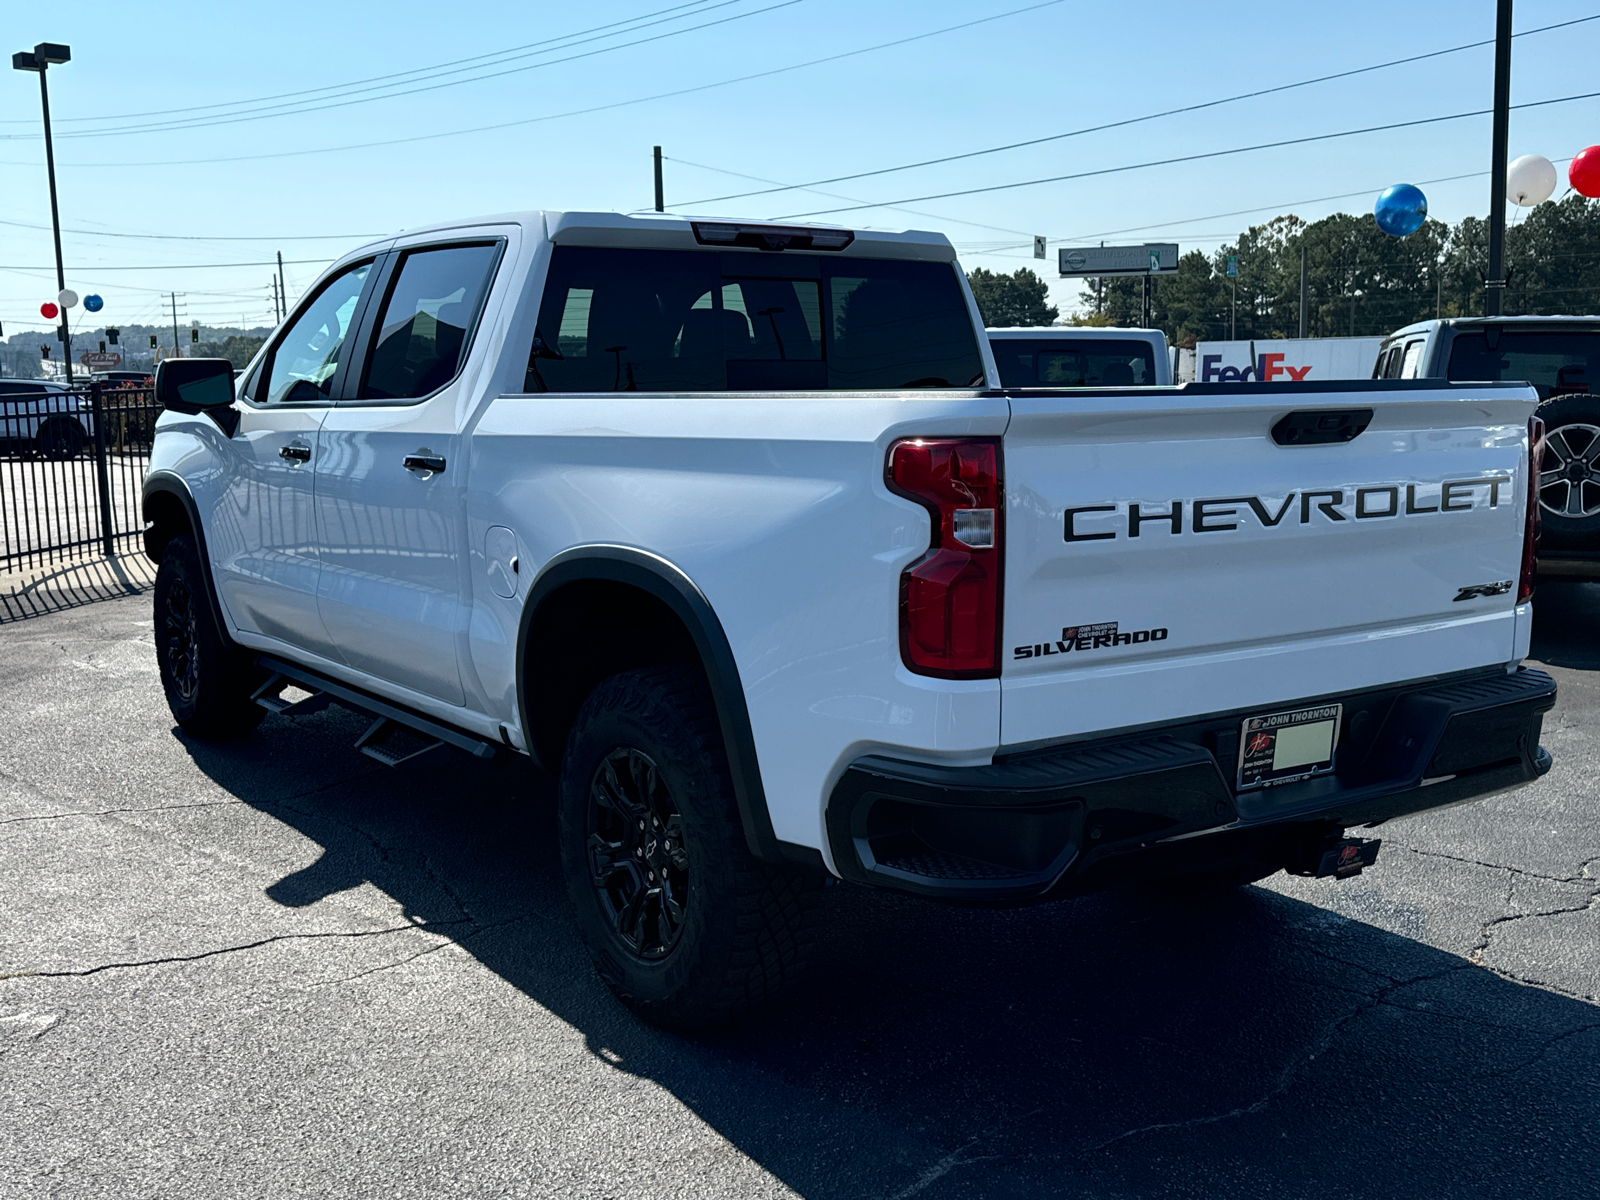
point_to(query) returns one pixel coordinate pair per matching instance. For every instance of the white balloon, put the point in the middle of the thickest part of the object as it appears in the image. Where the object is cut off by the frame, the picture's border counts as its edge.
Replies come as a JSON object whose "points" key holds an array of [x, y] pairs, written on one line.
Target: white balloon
{"points": [[1530, 180], [66, 297]]}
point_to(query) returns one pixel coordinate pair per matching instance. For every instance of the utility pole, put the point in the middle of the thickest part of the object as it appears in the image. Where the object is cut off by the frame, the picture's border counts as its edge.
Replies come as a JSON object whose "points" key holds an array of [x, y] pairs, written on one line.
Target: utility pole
{"points": [[1495, 284], [283, 292], [42, 57], [1302, 289], [661, 199], [176, 353]]}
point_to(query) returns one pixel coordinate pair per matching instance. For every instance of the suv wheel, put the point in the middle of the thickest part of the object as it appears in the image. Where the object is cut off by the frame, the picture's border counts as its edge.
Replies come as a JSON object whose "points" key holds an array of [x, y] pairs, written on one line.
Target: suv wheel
{"points": [[60, 439], [1569, 483], [683, 923], [207, 678]]}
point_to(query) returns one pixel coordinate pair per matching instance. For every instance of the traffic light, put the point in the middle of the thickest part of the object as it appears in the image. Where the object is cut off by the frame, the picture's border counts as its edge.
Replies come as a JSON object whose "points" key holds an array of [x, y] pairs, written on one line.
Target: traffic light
{"points": [[112, 334], [44, 353], [152, 341], [102, 345], [194, 337]]}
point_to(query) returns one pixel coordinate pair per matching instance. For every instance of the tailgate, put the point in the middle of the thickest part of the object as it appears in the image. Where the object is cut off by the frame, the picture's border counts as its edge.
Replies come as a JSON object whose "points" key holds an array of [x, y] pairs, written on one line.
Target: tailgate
{"points": [[1167, 558]]}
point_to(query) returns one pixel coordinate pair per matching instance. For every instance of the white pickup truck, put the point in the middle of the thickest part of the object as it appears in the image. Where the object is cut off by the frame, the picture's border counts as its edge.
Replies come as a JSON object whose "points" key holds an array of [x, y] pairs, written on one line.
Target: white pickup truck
{"points": [[732, 528]]}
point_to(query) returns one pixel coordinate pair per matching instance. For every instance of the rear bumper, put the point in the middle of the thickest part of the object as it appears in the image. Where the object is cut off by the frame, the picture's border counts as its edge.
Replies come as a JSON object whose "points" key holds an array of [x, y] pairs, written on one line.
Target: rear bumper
{"points": [[1083, 816]]}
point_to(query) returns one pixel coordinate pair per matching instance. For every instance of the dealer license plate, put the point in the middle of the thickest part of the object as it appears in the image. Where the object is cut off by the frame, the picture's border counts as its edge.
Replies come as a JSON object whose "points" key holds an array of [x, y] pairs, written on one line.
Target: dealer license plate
{"points": [[1282, 747]]}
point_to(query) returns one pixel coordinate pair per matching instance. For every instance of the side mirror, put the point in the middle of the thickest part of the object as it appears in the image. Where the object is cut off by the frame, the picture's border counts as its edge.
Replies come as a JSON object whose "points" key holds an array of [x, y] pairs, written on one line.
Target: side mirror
{"points": [[199, 385]]}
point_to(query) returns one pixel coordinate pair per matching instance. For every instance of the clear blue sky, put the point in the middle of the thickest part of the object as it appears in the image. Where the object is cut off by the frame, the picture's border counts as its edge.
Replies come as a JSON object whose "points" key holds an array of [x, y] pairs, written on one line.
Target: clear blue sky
{"points": [[1056, 68]]}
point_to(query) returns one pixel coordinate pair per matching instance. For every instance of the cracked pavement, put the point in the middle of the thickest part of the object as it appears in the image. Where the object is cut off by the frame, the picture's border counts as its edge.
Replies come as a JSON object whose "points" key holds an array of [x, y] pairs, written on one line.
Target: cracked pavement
{"points": [[277, 968]]}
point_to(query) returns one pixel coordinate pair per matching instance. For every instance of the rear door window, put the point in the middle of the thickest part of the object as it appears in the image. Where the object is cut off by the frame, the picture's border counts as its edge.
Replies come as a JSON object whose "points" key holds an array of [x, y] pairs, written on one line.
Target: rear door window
{"points": [[1554, 361], [1074, 362], [422, 332], [671, 320], [1411, 363]]}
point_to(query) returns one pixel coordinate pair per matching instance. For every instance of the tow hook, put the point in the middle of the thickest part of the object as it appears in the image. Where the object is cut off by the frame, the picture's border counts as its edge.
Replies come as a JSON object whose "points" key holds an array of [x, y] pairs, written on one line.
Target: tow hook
{"points": [[1341, 858]]}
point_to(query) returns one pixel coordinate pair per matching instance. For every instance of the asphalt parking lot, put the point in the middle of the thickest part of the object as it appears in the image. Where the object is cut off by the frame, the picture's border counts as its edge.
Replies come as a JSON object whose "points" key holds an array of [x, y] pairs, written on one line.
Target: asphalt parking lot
{"points": [[278, 968]]}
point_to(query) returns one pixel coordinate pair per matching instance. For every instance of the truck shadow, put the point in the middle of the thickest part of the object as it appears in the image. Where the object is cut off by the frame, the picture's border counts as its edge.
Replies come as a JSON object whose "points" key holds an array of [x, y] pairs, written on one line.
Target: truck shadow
{"points": [[1247, 1045], [1566, 629]]}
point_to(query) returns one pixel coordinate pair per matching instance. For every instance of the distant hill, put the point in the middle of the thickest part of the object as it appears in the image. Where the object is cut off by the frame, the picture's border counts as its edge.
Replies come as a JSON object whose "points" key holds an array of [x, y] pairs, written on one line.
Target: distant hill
{"points": [[20, 357]]}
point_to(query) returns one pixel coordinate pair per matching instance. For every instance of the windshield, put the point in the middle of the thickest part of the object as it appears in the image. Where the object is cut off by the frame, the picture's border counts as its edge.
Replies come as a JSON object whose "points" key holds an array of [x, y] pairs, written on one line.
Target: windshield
{"points": [[709, 321], [1554, 361], [1074, 362]]}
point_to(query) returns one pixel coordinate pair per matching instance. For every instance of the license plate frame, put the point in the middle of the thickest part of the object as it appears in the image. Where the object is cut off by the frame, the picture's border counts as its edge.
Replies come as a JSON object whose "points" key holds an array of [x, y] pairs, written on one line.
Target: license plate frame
{"points": [[1262, 746]]}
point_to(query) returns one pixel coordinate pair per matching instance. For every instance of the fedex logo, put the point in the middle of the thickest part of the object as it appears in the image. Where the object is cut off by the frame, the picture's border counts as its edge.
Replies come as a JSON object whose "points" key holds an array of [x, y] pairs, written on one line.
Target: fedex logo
{"points": [[1267, 368]]}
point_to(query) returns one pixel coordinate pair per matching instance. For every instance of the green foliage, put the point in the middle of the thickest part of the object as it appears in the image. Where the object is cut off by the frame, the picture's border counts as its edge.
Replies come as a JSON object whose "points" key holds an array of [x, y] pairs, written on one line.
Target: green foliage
{"points": [[1361, 281], [237, 349], [1011, 300]]}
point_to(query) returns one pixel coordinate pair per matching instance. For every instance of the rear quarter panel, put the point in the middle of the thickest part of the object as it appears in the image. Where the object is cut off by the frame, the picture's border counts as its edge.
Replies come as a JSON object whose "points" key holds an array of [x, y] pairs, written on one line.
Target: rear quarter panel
{"points": [[775, 507]]}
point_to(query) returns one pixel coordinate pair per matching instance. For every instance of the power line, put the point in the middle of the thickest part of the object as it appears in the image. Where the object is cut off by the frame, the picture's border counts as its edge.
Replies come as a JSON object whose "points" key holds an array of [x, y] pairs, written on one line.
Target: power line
{"points": [[234, 119], [185, 237], [914, 212], [180, 266], [577, 112], [1170, 112], [340, 87], [1185, 158]]}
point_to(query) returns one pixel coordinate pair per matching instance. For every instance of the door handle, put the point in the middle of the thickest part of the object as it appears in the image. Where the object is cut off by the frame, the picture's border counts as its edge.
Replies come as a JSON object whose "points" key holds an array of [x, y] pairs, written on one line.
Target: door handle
{"points": [[295, 452], [424, 460]]}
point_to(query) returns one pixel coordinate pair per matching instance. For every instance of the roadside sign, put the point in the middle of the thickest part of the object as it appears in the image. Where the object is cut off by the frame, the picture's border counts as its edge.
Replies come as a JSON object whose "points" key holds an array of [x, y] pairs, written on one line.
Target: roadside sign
{"points": [[1038, 247], [99, 361], [1152, 258], [1233, 266]]}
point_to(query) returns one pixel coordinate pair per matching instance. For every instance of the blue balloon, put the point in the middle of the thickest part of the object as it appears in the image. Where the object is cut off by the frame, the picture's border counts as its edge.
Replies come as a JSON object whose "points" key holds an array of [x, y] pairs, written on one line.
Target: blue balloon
{"points": [[1401, 209], [93, 303]]}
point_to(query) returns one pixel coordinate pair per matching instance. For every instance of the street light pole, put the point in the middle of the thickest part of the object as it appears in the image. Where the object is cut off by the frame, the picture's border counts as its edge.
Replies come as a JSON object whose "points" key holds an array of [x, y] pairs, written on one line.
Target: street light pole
{"points": [[41, 58], [1494, 285]]}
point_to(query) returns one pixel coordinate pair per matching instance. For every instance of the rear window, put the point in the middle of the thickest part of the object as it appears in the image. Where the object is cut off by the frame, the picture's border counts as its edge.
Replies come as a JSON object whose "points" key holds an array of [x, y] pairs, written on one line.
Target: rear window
{"points": [[1553, 361], [1076, 362], [703, 321]]}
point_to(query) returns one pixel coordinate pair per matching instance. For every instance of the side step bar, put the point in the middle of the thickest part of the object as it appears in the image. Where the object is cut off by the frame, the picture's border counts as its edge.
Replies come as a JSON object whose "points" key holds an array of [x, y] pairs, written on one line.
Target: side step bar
{"points": [[395, 733]]}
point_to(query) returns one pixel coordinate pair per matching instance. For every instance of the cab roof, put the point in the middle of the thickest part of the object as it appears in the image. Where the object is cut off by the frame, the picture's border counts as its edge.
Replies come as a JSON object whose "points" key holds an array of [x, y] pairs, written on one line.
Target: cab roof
{"points": [[669, 231]]}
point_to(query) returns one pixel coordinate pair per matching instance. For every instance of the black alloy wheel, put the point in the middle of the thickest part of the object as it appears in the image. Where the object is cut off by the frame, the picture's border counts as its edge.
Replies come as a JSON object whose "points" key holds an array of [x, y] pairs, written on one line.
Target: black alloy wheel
{"points": [[60, 440], [1569, 483], [180, 639], [637, 858]]}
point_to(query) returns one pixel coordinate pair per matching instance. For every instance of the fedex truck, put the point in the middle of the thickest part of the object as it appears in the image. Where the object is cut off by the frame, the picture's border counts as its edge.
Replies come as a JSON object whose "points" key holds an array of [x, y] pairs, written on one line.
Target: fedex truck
{"points": [[1287, 360]]}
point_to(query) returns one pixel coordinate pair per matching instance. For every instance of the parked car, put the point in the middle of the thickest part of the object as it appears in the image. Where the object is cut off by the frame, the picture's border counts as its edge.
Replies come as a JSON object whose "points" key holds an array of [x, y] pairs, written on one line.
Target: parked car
{"points": [[1560, 357], [732, 529], [1056, 356], [43, 418]]}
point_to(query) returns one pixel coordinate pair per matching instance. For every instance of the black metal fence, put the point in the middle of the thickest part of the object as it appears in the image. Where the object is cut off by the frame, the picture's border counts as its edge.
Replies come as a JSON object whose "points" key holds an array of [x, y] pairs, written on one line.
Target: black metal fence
{"points": [[72, 465]]}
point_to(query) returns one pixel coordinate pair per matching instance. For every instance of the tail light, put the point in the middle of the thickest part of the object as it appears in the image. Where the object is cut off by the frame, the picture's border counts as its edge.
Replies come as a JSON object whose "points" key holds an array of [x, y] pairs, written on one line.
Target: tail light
{"points": [[950, 597], [1530, 529]]}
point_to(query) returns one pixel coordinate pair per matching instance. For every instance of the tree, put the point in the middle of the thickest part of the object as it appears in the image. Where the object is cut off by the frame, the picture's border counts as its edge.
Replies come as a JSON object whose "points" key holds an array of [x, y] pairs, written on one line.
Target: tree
{"points": [[1010, 300], [237, 349]]}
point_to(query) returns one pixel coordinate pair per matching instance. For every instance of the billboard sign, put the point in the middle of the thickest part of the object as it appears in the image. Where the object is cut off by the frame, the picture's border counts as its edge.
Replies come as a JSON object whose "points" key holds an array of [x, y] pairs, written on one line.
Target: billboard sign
{"points": [[1152, 258]]}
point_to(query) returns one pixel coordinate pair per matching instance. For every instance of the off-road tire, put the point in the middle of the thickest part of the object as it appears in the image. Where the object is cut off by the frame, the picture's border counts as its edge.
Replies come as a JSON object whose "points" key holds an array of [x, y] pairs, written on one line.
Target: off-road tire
{"points": [[208, 679], [1557, 531], [745, 929]]}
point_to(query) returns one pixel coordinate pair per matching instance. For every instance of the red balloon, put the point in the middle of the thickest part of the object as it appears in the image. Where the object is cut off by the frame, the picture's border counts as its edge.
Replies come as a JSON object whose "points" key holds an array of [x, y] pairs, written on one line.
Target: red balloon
{"points": [[48, 311], [1584, 172]]}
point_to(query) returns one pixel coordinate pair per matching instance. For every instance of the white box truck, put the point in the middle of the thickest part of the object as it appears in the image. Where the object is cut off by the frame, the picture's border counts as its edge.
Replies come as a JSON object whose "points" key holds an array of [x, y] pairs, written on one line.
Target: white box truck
{"points": [[1286, 360]]}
